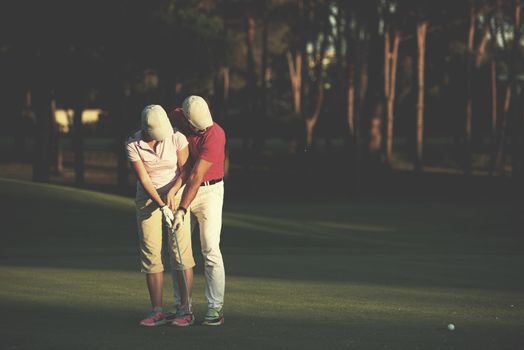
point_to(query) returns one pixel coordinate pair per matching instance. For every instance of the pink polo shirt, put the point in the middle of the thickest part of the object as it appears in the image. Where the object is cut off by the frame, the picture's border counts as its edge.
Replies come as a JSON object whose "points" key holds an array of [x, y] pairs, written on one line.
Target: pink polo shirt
{"points": [[161, 165]]}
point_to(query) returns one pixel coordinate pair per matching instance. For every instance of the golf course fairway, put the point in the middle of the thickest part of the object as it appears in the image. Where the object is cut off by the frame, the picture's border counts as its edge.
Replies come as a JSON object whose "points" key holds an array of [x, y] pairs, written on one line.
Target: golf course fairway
{"points": [[367, 273]]}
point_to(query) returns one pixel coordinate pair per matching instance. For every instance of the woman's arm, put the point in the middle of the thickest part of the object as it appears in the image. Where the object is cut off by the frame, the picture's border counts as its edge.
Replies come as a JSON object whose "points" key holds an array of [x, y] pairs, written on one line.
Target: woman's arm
{"points": [[183, 165], [145, 180]]}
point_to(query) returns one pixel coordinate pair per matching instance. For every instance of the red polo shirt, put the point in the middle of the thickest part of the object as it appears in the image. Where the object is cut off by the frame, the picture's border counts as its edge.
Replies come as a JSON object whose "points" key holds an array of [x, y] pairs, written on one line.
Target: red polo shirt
{"points": [[209, 146]]}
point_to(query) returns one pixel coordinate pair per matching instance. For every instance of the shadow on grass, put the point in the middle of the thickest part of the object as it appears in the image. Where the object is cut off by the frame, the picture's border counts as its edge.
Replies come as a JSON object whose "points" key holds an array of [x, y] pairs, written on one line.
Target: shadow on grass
{"points": [[34, 326]]}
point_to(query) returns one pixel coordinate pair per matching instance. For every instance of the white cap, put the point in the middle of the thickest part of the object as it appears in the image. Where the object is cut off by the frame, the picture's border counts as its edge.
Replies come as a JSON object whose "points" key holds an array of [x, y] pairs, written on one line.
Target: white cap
{"points": [[156, 123], [197, 112]]}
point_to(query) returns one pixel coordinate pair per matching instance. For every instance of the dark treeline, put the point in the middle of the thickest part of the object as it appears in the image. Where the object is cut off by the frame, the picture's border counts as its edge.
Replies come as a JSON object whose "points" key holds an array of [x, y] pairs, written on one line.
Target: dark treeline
{"points": [[366, 72]]}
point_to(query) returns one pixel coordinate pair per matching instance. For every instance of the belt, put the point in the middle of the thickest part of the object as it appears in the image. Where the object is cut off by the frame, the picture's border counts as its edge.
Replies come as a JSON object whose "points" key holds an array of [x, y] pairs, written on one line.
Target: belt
{"points": [[211, 182]]}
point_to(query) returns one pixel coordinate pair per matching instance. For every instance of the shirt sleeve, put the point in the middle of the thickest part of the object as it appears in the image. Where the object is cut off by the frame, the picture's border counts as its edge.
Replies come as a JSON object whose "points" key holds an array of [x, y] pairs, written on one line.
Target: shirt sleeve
{"points": [[132, 153], [180, 140]]}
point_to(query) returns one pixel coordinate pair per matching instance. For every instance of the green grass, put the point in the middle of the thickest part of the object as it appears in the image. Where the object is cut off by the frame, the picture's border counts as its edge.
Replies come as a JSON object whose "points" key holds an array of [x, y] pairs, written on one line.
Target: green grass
{"points": [[376, 273]]}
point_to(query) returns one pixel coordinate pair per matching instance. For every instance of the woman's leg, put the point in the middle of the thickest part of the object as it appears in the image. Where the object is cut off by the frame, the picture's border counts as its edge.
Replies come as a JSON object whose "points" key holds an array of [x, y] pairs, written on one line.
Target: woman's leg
{"points": [[155, 281], [149, 219]]}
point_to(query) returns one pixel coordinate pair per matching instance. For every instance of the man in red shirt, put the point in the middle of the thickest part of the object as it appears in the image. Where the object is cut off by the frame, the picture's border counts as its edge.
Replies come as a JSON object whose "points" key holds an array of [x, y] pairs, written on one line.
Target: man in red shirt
{"points": [[204, 192]]}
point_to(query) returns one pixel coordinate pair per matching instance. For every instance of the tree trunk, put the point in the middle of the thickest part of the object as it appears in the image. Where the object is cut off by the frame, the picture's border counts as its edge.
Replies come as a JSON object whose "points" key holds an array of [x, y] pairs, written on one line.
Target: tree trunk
{"points": [[265, 71], [250, 65], [78, 145], [391, 60], [364, 81], [387, 59], [265, 76], [373, 105], [351, 101], [421, 44], [56, 149], [494, 112], [295, 75], [311, 122], [251, 80], [225, 72], [42, 158], [119, 114], [521, 156], [481, 51], [517, 137], [469, 106], [509, 121], [493, 100], [498, 161], [23, 111], [375, 134], [221, 94], [225, 113], [516, 121], [225, 95]]}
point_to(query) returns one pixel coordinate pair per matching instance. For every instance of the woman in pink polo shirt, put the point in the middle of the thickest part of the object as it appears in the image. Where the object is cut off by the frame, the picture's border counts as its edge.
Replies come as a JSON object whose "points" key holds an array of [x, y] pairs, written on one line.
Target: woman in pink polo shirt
{"points": [[158, 155]]}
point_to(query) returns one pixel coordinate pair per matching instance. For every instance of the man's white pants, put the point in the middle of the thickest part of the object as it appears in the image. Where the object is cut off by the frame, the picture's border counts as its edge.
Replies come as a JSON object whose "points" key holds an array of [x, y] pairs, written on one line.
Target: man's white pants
{"points": [[206, 212]]}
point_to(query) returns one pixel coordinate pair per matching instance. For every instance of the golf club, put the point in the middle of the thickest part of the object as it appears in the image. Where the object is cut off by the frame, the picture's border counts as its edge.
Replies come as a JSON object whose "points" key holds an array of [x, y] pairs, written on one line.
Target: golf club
{"points": [[174, 233]]}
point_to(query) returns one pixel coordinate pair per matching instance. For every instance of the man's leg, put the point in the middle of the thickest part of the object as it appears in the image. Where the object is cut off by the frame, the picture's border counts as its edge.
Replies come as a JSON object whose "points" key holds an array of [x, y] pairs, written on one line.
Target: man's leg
{"points": [[207, 208]]}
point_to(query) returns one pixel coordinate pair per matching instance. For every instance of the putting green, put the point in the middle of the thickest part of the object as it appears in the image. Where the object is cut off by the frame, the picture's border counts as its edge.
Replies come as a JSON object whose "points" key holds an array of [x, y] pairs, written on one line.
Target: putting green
{"points": [[379, 273]]}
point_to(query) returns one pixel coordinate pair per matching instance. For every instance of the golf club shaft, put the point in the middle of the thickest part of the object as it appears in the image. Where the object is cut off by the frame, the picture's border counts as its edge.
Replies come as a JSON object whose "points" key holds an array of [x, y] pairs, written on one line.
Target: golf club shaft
{"points": [[188, 299]]}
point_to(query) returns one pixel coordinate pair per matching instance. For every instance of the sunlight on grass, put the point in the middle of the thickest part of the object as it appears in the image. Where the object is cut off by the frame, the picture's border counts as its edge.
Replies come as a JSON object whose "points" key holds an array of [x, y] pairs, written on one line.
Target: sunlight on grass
{"points": [[306, 227], [289, 299], [10, 187], [354, 227]]}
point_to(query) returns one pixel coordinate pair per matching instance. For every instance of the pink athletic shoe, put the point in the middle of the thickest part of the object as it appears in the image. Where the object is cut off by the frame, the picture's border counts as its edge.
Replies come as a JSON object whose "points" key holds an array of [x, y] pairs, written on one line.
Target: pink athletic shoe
{"points": [[184, 317], [154, 318]]}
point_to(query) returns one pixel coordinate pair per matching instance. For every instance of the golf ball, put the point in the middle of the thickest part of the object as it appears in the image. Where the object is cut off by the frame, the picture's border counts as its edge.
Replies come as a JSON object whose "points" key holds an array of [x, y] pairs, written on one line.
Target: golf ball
{"points": [[451, 327]]}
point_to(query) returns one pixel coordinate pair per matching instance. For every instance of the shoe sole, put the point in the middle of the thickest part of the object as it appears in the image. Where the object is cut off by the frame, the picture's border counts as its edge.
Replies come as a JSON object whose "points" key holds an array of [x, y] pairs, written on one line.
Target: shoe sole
{"points": [[216, 323], [183, 325], [160, 323]]}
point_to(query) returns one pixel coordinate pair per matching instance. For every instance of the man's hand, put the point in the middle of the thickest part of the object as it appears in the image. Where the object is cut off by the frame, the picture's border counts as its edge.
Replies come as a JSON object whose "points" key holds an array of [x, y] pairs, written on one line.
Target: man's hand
{"points": [[179, 218], [170, 200], [168, 215]]}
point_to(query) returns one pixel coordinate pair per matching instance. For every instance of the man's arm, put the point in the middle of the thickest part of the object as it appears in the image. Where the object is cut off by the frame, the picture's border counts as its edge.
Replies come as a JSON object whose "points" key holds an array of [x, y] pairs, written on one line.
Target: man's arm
{"points": [[193, 182]]}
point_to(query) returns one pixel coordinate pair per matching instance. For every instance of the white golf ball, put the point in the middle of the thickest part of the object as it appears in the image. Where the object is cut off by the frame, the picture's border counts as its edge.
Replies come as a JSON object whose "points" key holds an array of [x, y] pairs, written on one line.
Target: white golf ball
{"points": [[451, 327]]}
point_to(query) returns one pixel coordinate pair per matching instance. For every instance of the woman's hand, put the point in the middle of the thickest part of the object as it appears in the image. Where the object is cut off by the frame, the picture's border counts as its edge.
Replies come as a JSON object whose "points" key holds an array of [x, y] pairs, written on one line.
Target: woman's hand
{"points": [[168, 215]]}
